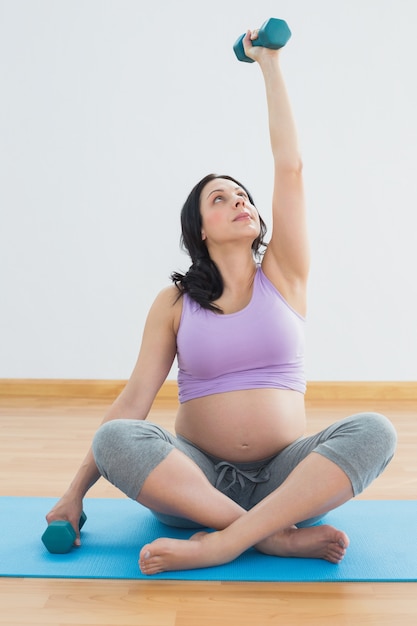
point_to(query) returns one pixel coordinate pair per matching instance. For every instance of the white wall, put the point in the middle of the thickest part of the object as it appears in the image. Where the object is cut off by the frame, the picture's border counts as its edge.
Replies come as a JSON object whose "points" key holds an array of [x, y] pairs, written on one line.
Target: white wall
{"points": [[111, 110]]}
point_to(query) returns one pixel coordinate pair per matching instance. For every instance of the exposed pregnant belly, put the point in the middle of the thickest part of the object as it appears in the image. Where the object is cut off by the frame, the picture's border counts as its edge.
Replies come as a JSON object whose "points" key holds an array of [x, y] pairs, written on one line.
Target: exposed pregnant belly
{"points": [[241, 426]]}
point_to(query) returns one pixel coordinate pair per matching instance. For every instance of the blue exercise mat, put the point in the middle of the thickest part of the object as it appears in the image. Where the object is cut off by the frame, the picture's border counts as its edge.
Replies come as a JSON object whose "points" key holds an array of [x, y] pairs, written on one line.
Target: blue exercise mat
{"points": [[383, 536]]}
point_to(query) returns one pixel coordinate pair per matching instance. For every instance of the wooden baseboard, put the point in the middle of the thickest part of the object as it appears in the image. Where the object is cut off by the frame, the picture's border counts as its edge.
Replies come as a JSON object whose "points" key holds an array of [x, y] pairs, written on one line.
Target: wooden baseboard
{"points": [[106, 390], [110, 389], [361, 390]]}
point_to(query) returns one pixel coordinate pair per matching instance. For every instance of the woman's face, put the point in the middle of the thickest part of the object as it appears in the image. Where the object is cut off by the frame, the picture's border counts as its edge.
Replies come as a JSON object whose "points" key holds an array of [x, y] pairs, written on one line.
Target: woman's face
{"points": [[227, 213]]}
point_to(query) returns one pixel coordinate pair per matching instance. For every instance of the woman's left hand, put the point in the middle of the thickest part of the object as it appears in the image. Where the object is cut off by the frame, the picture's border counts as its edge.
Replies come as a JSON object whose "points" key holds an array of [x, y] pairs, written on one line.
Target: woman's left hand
{"points": [[256, 53]]}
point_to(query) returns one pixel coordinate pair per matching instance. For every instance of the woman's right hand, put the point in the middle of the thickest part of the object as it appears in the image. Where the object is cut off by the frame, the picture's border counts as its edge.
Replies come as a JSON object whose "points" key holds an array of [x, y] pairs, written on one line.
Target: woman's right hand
{"points": [[69, 509]]}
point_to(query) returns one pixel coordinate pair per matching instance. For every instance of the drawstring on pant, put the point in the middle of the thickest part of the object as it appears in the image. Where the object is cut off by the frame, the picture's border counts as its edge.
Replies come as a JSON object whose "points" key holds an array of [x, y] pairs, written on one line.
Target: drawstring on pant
{"points": [[261, 475]]}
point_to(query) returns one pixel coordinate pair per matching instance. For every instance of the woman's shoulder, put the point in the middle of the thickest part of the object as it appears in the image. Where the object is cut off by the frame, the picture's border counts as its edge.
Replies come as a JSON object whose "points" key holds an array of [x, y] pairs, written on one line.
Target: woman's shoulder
{"points": [[168, 305], [168, 294]]}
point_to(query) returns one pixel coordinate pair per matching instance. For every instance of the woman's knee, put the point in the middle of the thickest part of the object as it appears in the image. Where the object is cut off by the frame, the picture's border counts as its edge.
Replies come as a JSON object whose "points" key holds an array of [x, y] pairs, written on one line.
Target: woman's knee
{"points": [[379, 435], [126, 451], [378, 445], [109, 444], [362, 445]]}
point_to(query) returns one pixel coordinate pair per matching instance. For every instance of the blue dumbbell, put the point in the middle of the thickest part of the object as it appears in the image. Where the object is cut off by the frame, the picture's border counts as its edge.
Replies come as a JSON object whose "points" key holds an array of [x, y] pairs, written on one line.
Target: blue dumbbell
{"points": [[59, 537], [273, 34]]}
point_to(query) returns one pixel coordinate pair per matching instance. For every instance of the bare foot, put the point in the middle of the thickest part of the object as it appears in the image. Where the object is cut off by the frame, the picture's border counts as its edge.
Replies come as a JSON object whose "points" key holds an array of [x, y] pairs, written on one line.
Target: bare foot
{"points": [[177, 554], [208, 549], [313, 542]]}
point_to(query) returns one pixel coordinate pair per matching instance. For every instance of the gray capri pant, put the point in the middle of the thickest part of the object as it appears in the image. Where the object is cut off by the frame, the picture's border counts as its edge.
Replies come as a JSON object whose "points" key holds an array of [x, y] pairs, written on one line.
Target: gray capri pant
{"points": [[126, 452]]}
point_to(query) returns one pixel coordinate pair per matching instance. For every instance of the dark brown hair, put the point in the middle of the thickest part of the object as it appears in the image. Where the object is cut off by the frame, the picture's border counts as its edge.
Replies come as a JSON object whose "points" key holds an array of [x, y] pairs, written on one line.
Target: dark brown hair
{"points": [[203, 281]]}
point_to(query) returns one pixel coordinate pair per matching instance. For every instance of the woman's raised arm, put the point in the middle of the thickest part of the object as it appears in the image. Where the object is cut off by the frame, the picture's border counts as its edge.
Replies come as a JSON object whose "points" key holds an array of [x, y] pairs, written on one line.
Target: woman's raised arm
{"points": [[286, 260]]}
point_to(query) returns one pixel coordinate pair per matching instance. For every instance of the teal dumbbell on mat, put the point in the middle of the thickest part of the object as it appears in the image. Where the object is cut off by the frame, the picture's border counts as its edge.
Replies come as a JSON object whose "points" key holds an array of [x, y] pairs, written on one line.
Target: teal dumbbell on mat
{"points": [[273, 34], [59, 537]]}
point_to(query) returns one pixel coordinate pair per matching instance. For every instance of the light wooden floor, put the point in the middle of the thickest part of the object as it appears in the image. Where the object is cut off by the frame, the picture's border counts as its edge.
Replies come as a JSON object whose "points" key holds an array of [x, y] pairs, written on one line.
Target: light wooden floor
{"points": [[42, 443]]}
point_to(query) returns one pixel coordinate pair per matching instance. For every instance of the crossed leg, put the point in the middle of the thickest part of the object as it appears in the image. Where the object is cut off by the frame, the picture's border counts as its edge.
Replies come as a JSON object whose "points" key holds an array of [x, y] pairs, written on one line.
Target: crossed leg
{"points": [[178, 487]]}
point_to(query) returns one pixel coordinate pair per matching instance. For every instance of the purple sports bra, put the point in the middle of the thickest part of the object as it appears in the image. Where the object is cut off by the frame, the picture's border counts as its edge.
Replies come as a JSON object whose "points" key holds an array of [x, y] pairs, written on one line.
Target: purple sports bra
{"points": [[261, 346]]}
